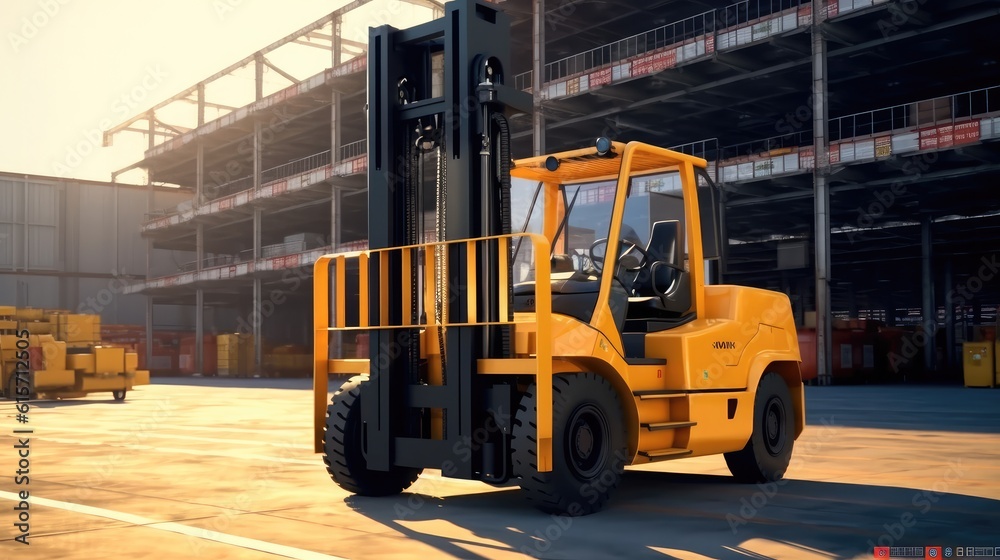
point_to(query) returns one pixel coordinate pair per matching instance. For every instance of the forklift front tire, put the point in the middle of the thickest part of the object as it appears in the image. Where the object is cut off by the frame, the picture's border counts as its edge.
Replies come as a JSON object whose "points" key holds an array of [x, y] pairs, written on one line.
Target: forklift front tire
{"points": [[589, 449], [343, 449]]}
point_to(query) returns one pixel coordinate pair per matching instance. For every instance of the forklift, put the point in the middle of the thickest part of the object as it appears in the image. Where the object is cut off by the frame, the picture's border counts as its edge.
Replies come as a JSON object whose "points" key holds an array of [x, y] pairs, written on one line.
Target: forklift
{"points": [[552, 355]]}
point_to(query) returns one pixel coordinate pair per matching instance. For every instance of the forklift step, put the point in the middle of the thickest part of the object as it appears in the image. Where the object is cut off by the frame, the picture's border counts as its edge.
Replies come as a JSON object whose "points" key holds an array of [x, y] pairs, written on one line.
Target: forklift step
{"points": [[659, 394], [662, 454], [654, 426]]}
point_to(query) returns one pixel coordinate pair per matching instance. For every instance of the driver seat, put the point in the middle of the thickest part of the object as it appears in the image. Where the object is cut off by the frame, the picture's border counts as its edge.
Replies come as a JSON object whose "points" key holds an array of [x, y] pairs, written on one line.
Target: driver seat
{"points": [[661, 291]]}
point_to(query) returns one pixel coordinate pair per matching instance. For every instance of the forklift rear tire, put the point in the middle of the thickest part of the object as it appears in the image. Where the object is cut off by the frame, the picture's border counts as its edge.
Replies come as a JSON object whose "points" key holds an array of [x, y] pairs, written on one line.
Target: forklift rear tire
{"points": [[589, 448], [343, 450], [119, 395], [766, 455]]}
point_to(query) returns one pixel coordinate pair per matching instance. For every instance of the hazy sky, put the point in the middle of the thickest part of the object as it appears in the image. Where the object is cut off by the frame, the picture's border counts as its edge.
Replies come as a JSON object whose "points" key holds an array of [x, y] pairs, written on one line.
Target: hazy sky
{"points": [[71, 67]]}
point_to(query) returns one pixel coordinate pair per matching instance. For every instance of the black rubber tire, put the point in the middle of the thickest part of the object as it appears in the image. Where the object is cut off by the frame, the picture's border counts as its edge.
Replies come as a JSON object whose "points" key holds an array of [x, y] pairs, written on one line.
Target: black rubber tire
{"points": [[589, 446], [343, 449], [767, 453], [119, 395]]}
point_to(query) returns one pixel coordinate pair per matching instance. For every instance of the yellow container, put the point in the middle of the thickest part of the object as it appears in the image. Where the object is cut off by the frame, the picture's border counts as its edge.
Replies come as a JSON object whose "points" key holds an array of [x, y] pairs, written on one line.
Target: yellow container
{"points": [[78, 328], [81, 362], [36, 327], [131, 362], [54, 378], [53, 353], [979, 363], [235, 354], [29, 314], [89, 383], [108, 360], [8, 324], [141, 377]]}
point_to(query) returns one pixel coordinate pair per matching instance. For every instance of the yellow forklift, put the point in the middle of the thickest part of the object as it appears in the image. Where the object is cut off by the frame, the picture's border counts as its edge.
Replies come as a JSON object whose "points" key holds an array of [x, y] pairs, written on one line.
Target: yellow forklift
{"points": [[553, 355]]}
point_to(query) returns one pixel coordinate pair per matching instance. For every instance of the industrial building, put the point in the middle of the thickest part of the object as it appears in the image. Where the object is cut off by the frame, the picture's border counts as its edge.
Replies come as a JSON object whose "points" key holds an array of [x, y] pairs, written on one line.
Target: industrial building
{"points": [[855, 142], [74, 245]]}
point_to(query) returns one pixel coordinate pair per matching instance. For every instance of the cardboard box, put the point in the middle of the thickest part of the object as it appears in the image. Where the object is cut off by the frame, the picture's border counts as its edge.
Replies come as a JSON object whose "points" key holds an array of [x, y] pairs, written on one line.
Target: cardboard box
{"points": [[78, 328], [81, 362], [8, 324], [109, 360], [7, 310]]}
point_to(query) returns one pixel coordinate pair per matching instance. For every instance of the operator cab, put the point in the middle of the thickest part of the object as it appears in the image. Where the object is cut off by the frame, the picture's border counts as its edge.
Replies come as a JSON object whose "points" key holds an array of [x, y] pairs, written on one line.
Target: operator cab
{"points": [[651, 287]]}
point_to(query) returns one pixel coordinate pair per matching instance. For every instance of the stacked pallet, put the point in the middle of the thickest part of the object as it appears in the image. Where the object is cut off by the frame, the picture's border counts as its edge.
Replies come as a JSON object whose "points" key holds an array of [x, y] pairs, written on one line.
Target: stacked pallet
{"points": [[290, 360], [235, 355], [77, 330], [33, 320], [8, 322]]}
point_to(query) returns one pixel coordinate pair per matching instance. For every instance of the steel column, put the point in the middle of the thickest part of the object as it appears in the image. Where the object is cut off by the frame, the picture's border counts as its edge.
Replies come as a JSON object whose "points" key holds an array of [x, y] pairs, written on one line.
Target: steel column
{"points": [[537, 76], [256, 314], [824, 323], [928, 309], [949, 314]]}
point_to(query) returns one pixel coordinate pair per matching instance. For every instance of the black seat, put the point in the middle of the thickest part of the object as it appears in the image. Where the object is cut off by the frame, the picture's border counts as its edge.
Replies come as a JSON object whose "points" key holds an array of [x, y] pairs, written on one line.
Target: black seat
{"points": [[661, 288]]}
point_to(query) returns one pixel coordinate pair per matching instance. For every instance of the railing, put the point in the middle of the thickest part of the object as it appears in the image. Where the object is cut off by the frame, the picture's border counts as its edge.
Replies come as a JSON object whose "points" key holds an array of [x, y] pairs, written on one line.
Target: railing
{"points": [[747, 11], [354, 149], [918, 114], [707, 149], [302, 165], [641, 43], [757, 147], [289, 169], [522, 82], [209, 262]]}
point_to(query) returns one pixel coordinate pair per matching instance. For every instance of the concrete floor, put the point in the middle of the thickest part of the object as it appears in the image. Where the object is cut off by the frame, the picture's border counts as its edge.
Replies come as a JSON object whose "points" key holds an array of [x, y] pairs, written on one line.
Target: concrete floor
{"points": [[224, 470]]}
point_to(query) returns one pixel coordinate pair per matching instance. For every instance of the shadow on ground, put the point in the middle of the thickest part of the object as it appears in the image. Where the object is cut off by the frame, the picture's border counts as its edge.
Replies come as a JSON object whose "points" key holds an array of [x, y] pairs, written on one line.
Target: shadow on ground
{"points": [[668, 515]]}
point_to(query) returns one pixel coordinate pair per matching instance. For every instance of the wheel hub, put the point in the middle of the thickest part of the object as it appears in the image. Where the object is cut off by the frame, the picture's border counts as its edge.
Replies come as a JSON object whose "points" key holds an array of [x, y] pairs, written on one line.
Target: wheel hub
{"points": [[587, 441], [774, 426]]}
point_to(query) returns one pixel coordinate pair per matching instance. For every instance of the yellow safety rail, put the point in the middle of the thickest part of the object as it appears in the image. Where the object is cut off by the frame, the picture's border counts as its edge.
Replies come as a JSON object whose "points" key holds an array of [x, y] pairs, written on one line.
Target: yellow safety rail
{"points": [[327, 318]]}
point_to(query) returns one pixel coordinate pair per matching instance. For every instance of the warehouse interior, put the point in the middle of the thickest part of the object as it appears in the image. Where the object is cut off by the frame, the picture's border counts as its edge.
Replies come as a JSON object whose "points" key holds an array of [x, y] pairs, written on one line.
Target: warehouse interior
{"points": [[855, 141]]}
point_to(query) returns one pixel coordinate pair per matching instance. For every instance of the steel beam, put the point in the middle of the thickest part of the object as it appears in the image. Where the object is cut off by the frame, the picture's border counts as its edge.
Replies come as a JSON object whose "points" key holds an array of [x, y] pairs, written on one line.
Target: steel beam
{"points": [[256, 315], [537, 73], [928, 309], [824, 322]]}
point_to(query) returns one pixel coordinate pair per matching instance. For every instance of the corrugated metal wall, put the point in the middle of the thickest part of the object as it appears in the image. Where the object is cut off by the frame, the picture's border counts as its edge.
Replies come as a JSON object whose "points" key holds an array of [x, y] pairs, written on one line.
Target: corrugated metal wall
{"points": [[53, 231]]}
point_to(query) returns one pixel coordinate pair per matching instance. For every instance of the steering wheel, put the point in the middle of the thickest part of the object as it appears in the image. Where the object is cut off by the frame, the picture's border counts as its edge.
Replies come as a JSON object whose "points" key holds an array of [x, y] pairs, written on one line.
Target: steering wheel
{"points": [[599, 261]]}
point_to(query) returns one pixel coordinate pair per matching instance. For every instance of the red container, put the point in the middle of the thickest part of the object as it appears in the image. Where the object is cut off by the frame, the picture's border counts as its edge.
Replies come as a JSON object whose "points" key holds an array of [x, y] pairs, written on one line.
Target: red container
{"points": [[210, 358], [807, 349], [165, 359], [36, 358]]}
